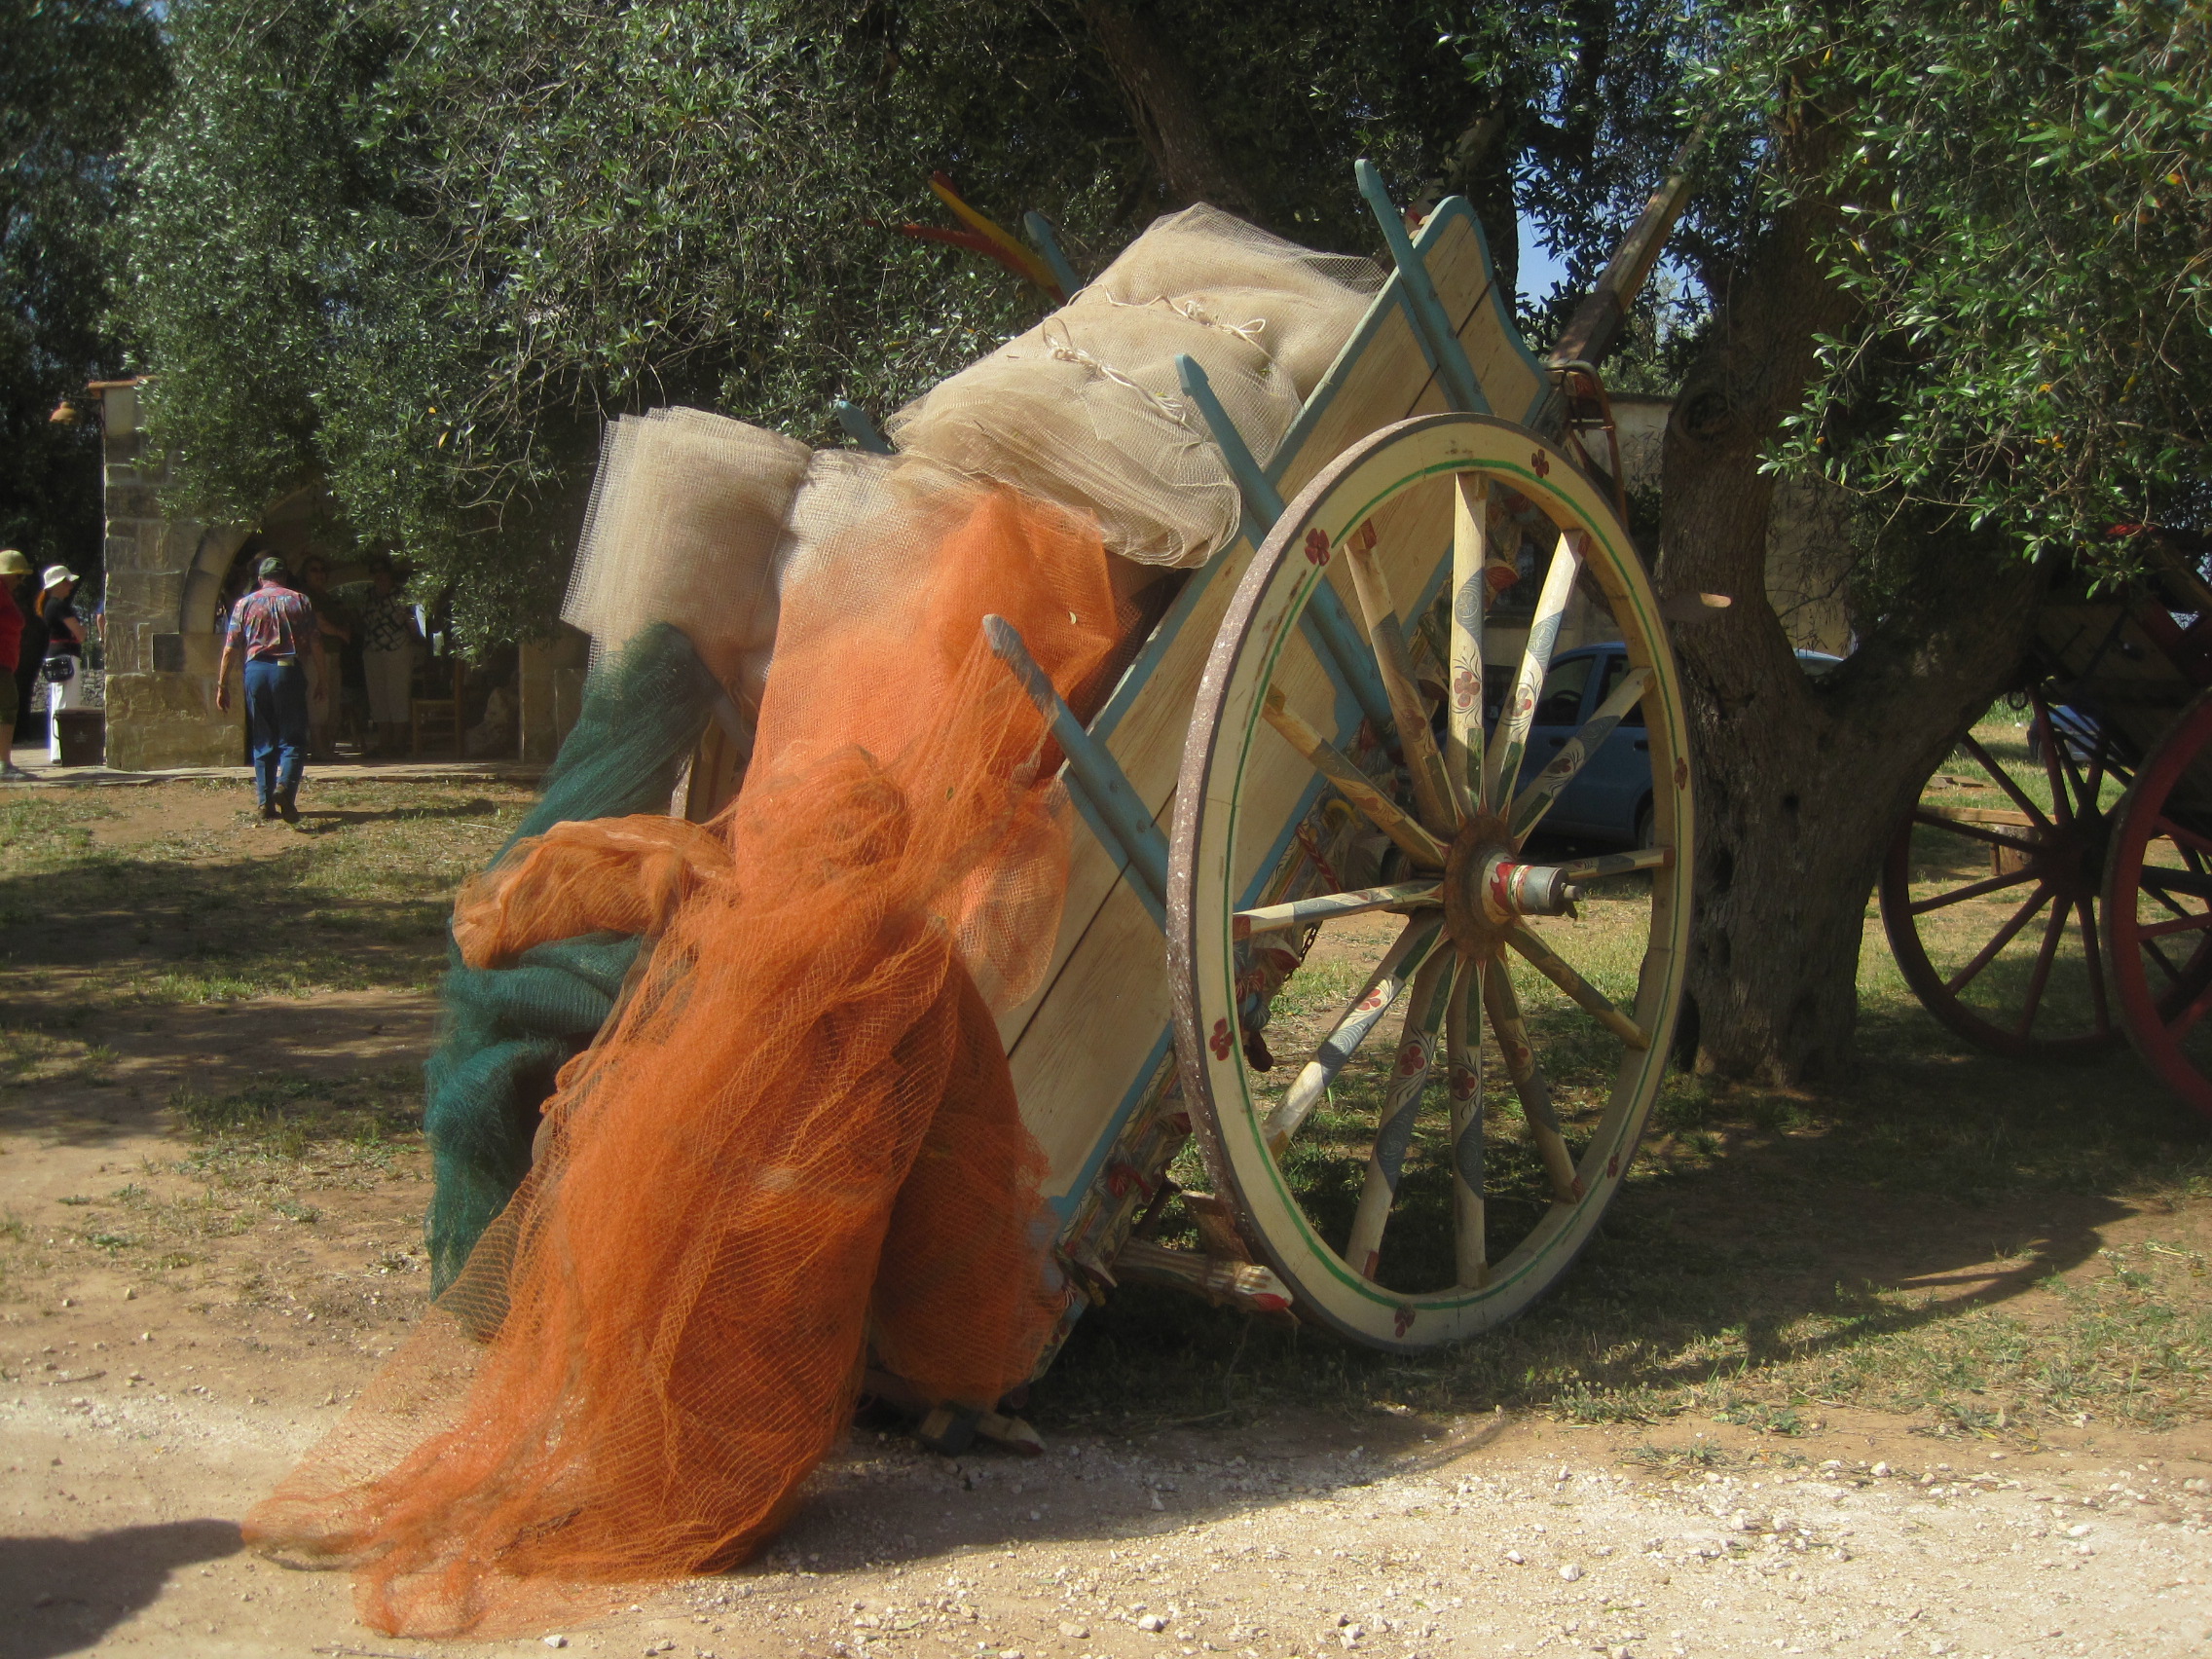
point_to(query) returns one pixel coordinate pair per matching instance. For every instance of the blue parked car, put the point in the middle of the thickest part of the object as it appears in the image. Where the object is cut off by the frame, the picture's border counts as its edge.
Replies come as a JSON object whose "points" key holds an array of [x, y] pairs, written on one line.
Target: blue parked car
{"points": [[1611, 797]]}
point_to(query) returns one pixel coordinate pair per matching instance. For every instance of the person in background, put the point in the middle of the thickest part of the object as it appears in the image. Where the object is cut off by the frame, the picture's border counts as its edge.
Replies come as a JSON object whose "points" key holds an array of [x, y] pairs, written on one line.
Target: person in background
{"points": [[15, 574], [64, 652], [31, 655], [388, 655], [275, 626], [336, 626]]}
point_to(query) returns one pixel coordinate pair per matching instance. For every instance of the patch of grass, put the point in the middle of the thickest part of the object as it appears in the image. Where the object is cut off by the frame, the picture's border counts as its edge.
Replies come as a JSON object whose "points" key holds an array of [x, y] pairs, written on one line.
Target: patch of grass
{"points": [[304, 1131], [200, 915], [47, 827]]}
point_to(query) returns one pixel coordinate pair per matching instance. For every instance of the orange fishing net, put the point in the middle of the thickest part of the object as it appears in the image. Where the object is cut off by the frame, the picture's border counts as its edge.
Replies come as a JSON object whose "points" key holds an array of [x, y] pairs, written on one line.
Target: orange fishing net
{"points": [[796, 1138]]}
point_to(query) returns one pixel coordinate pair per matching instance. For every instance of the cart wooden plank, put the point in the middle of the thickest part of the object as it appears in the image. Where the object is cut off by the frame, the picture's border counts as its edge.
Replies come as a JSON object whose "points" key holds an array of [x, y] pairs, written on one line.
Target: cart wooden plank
{"points": [[1086, 1044]]}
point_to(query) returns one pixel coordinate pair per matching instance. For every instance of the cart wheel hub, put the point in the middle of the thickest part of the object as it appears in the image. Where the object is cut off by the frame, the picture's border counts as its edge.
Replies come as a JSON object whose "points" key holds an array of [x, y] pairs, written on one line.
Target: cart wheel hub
{"points": [[1489, 890]]}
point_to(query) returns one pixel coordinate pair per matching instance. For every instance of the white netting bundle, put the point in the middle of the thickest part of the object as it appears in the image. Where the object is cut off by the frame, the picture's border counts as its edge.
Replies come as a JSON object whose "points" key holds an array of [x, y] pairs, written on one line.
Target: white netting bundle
{"points": [[704, 521], [685, 517], [1085, 409]]}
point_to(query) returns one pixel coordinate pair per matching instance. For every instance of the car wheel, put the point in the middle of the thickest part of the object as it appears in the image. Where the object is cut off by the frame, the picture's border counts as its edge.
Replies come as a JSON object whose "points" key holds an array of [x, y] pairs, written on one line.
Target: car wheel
{"points": [[1644, 827]]}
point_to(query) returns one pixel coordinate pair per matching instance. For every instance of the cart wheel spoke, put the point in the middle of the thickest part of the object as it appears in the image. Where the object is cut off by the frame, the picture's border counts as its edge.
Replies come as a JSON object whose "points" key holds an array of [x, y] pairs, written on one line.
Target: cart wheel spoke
{"points": [[2187, 1020], [2092, 958], [2086, 787], [1329, 906], [1354, 785], [1502, 764], [2159, 892], [1998, 940], [1463, 700], [2180, 835], [2163, 881], [1432, 794], [1504, 1008], [2005, 781], [2183, 921], [1530, 805], [2054, 767], [1401, 1104], [2014, 838], [1464, 1074], [1603, 865], [2100, 762], [2054, 930], [1975, 890], [1359, 1016], [1592, 1001]]}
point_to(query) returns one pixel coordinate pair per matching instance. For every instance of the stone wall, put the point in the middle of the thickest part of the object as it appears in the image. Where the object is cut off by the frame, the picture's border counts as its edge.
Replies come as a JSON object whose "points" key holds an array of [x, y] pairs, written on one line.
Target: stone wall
{"points": [[160, 683], [549, 686]]}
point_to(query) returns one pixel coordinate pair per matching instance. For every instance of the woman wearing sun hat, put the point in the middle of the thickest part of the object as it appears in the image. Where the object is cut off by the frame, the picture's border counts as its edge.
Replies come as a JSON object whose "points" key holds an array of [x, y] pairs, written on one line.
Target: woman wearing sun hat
{"points": [[64, 652]]}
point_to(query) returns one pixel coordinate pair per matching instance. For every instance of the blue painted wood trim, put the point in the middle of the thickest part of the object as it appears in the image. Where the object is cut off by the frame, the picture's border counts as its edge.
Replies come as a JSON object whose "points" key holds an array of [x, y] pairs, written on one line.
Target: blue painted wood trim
{"points": [[1328, 626], [1093, 773], [1335, 639], [859, 427], [1068, 1202], [1040, 231], [1261, 499], [1423, 305]]}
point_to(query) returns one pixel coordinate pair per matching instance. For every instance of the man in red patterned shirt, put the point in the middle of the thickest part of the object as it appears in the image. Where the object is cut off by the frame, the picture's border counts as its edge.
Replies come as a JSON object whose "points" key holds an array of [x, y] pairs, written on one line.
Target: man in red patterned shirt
{"points": [[276, 627]]}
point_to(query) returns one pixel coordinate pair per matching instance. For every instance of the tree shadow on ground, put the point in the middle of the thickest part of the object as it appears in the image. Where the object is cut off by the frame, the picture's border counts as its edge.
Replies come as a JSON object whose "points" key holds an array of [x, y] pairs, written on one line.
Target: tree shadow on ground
{"points": [[328, 819], [62, 1595], [1760, 1228], [224, 927]]}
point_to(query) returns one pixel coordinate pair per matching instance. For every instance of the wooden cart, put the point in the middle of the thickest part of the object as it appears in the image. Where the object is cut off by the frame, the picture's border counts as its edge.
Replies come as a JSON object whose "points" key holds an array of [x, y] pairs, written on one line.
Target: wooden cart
{"points": [[1293, 777], [2052, 889]]}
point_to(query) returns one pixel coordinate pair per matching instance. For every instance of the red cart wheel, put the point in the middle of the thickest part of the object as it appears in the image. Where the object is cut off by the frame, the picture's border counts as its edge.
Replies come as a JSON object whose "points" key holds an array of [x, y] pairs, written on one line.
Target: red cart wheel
{"points": [[1991, 909], [2158, 907]]}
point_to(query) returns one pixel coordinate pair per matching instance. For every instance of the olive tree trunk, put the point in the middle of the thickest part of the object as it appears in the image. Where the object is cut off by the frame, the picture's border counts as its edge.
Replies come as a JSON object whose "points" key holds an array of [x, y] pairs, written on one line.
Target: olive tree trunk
{"points": [[1800, 785], [1163, 108]]}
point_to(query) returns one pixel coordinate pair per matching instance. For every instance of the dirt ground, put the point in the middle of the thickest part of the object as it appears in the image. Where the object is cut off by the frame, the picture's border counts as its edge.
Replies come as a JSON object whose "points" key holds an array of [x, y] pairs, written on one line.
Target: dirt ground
{"points": [[142, 1419], [178, 1326]]}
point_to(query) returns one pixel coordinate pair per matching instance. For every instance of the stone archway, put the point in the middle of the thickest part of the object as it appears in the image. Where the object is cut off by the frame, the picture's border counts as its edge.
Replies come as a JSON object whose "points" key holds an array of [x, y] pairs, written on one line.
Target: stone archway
{"points": [[211, 563]]}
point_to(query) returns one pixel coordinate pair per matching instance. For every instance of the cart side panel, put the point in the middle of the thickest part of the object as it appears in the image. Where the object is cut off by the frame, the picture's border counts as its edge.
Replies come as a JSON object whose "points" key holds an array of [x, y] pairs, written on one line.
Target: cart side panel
{"points": [[1079, 1047], [1381, 377]]}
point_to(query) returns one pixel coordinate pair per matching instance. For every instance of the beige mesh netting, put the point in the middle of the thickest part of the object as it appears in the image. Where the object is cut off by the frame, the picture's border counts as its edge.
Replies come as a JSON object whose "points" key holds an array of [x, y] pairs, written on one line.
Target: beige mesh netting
{"points": [[686, 513], [1086, 410]]}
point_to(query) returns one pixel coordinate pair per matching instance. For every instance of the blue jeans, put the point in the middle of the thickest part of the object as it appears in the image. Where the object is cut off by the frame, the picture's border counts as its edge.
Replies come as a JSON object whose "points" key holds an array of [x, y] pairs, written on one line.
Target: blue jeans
{"points": [[277, 716]]}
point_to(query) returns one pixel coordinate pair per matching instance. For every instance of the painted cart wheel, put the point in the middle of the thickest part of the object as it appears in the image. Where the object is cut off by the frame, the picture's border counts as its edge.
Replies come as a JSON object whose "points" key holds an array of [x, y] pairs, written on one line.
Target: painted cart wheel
{"points": [[2158, 907], [1990, 889], [1537, 987]]}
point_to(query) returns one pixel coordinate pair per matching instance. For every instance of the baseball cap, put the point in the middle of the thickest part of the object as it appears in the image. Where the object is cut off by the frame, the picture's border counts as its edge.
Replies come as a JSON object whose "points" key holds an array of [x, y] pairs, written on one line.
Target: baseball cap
{"points": [[269, 567]]}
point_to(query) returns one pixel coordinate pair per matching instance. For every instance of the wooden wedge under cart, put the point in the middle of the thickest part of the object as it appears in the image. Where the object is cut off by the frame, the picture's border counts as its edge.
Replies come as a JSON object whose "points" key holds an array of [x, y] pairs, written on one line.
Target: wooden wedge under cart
{"points": [[1297, 774], [2051, 889]]}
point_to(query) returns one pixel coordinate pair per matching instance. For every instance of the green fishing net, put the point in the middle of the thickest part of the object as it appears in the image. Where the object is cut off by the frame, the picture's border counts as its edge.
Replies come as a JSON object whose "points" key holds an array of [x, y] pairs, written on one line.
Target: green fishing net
{"points": [[506, 1032]]}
